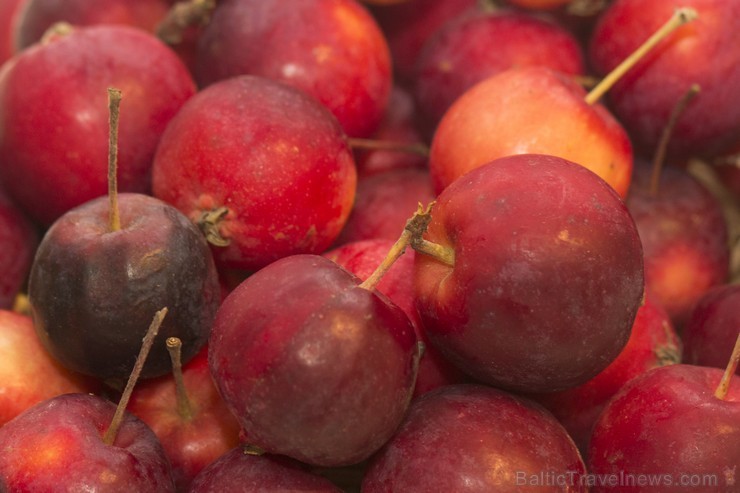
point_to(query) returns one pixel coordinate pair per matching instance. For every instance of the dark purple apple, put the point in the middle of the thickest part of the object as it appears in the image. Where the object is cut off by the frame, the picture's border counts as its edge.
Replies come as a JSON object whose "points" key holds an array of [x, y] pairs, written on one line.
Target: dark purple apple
{"points": [[474, 438], [93, 290], [58, 445], [313, 365], [540, 278]]}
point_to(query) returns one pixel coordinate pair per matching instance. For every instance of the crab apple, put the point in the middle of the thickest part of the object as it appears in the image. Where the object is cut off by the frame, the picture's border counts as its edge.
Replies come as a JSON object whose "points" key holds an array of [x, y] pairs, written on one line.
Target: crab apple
{"points": [[58, 445], [653, 343], [536, 275], [510, 106], [712, 327], [239, 471], [28, 374], [54, 123], [93, 288], [704, 53], [473, 47], [474, 438], [40, 15], [9, 13], [264, 168], [313, 365], [18, 241], [684, 237], [667, 431], [332, 49]]}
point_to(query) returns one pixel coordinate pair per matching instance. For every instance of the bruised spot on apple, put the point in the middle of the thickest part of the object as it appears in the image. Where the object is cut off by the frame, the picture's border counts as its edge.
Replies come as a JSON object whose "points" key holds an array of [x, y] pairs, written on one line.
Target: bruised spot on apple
{"points": [[547, 274]]}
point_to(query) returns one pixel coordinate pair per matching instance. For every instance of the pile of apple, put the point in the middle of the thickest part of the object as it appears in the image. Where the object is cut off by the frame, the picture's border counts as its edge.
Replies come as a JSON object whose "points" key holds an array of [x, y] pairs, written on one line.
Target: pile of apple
{"points": [[391, 246]]}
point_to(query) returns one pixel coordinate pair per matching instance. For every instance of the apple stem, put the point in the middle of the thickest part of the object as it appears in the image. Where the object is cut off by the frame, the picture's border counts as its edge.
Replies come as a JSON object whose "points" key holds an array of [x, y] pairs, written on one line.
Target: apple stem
{"points": [[55, 31], [183, 15], [184, 407], [146, 346], [114, 104], [724, 384], [416, 226], [441, 253], [385, 145], [679, 18], [665, 137], [209, 224]]}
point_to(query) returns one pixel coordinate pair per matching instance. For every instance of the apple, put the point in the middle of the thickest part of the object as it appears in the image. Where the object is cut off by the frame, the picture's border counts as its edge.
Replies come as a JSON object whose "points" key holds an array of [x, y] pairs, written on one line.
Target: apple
{"points": [[58, 444], [264, 168], [532, 254], [18, 241], [313, 365], [475, 438], [331, 49]]}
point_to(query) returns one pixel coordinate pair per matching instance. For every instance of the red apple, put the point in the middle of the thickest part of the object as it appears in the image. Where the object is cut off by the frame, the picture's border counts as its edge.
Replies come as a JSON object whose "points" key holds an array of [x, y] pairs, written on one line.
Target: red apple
{"points": [[704, 53], [331, 49], [54, 120], [666, 431], [476, 439], [538, 253], [58, 445], [313, 365], [264, 168]]}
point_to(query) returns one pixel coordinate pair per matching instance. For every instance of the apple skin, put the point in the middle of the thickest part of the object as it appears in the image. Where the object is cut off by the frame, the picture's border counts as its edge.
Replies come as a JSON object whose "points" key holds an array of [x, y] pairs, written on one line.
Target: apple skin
{"points": [[545, 253], [59, 157], [191, 443], [667, 422], [58, 445], [86, 279], [653, 343], [331, 49], [28, 374], [510, 106], [318, 368], [273, 155], [40, 15], [473, 438], [18, 241], [712, 327], [697, 53], [684, 237]]}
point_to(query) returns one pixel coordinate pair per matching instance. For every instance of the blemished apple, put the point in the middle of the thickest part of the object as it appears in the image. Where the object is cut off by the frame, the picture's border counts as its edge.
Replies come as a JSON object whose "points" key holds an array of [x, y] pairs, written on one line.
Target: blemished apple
{"points": [[58, 444], [87, 275], [536, 253], [476, 439], [319, 369]]}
